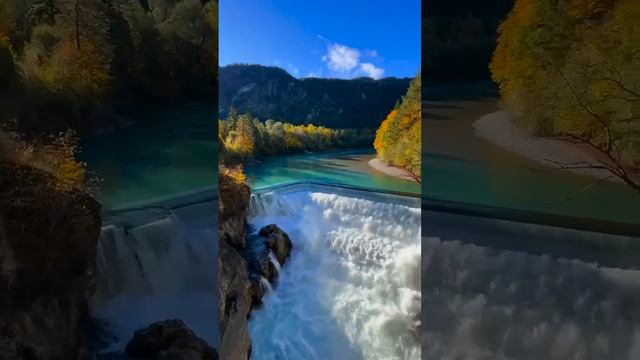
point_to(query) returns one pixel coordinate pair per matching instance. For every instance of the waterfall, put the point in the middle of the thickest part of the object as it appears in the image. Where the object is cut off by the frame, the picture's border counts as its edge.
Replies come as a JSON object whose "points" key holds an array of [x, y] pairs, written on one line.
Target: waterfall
{"points": [[351, 289], [507, 304], [265, 285], [157, 268], [269, 203], [275, 262]]}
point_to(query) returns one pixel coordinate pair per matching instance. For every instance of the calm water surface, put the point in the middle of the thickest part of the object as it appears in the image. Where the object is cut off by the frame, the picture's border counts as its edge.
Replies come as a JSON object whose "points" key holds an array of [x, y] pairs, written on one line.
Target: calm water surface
{"points": [[336, 167], [460, 166], [173, 150], [167, 151]]}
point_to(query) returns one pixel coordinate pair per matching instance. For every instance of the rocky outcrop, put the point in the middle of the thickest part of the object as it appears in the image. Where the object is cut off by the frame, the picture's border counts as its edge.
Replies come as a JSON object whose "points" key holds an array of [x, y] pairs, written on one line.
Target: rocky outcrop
{"points": [[234, 210], [237, 291], [235, 304], [277, 241], [48, 237], [169, 340]]}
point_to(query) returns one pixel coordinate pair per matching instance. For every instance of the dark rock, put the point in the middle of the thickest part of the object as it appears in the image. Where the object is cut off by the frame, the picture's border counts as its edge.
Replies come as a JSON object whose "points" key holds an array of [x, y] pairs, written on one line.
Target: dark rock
{"points": [[266, 267], [256, 292], [237, 291], [169, 339], [277, 241], [48, 237], [236, 298], [234, 210]]}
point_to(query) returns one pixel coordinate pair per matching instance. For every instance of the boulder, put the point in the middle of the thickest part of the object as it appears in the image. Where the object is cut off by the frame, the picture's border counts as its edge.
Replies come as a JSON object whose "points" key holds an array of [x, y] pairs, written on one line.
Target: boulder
{"points": [[169, 340], [277, 241]]}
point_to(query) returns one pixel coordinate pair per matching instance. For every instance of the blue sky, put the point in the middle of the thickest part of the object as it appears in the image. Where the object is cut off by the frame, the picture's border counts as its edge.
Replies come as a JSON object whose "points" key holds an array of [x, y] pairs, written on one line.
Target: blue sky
{"points": [[329, 38]]}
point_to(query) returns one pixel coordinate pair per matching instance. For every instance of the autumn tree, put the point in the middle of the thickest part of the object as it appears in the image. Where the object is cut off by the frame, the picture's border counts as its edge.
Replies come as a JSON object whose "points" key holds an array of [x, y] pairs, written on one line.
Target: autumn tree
{"points": [[398, 139], [571, 69], [244, 138]]}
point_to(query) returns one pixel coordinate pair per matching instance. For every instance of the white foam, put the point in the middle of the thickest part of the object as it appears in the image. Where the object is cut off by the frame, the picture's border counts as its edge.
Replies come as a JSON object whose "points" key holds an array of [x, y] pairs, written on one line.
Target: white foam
{"points": [[275, 262], [488, 304], [351, 289], [265, 285], [156, 271]]}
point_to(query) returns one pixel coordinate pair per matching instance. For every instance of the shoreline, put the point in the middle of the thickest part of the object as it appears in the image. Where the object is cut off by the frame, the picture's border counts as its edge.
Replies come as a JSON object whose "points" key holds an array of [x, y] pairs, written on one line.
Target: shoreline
{"points": [[394, 171], [498, 129]]}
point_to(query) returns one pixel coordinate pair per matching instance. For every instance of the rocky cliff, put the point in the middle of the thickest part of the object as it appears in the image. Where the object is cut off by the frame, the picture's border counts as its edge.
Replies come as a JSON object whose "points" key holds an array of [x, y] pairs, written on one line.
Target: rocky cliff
{"points": [[241, 289], [272, 93], [236, 288], [48, 237]]}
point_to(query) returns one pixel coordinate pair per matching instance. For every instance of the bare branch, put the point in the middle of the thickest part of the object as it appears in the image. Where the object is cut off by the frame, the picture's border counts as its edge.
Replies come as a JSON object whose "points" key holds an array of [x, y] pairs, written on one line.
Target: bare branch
{"points": [[622, 86], [581, 191]]}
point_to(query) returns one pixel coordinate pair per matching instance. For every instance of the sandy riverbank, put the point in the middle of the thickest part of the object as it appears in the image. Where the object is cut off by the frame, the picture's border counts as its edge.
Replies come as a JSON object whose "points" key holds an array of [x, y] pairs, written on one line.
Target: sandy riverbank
{"points": [[498, 128], [378, 165]]}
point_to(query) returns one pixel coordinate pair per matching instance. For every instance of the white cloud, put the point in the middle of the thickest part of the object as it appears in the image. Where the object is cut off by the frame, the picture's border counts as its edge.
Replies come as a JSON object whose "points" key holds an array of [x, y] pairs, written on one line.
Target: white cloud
{"points": [[341, 58], [371, 70], [345, 61]]}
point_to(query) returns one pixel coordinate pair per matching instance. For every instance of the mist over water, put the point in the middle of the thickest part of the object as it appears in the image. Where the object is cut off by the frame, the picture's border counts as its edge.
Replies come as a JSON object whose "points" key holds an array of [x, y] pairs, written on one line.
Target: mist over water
{"points": [[481, 303], [351, 288]]}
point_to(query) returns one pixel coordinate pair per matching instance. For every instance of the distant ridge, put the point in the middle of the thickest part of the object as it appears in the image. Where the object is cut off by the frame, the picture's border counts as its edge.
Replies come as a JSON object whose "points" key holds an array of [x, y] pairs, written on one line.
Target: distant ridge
{"points": [[269, 92]]}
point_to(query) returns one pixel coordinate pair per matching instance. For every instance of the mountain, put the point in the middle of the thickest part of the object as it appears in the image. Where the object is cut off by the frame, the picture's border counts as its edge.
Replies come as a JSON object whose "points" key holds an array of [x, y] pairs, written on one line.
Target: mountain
{"points": [[271, 93]]}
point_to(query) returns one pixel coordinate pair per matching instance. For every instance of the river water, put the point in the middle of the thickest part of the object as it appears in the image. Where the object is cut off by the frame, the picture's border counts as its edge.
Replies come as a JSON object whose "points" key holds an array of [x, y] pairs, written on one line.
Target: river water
{"points": [[351, 288], [166, 151], [497, 289], [348, 167], [460, 166], [157, 262]]}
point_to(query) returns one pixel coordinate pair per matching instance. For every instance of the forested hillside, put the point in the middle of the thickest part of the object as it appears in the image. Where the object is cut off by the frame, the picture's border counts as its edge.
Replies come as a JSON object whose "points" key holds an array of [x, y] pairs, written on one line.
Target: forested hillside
{"points": [[70, 63], [572, 69], [459, 38], [272, 93], [243, 137], [398, 140]]}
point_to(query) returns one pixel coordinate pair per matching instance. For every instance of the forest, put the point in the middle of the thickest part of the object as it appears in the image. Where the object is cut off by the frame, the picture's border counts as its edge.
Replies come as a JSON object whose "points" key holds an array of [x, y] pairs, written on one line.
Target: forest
{"points": [[398, 139], [269, 92], [243, 138], [70, 64], [459, 38], [571, 69]]}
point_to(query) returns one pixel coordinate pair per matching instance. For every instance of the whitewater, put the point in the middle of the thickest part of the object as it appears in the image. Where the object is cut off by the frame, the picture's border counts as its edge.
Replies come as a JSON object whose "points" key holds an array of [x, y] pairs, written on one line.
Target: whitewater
{"points": [[485, 303], [155, 264], [351, 288]]}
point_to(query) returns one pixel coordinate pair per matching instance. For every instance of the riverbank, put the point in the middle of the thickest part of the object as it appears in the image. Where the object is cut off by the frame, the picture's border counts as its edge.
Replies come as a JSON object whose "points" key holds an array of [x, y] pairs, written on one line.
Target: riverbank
{"points": [[394, 171], [498, 128]]}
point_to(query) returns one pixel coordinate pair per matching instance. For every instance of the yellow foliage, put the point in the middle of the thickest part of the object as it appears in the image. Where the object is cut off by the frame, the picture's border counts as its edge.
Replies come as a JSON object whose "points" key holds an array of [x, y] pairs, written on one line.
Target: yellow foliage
{"points": [[379, 144], [567, 67], [398, 139], [56, 155], [236, 173]]}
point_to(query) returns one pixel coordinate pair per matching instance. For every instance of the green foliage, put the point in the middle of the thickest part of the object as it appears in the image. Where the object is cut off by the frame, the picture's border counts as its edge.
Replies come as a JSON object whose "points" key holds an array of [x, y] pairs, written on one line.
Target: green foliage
{"points": [[572, 68], [398, 139], [243, 137], [74, 56]]}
